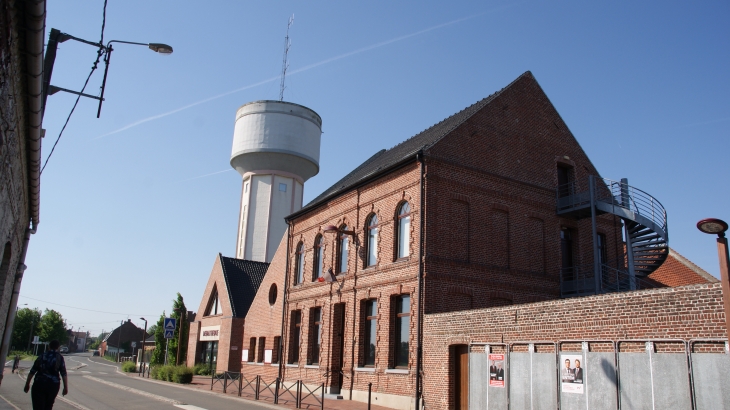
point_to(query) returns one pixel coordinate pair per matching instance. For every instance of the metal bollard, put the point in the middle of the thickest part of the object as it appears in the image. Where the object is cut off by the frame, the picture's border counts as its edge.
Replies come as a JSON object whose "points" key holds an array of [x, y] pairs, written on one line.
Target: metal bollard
{"points": [[370, 390], [321, 396], [276, 392], [258, 384]]}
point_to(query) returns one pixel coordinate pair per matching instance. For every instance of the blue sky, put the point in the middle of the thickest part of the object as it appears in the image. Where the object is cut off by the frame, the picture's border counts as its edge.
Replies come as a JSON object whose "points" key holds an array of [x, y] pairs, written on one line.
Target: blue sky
{"points": [[128, 218]]}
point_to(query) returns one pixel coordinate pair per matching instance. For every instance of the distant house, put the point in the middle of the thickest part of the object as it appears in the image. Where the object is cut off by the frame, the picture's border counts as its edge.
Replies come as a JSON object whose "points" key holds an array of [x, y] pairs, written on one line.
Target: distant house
{"points": [[120, 340]]}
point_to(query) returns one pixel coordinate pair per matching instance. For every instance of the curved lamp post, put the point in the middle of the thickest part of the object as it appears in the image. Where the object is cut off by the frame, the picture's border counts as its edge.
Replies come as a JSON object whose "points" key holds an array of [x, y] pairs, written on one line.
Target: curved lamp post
{"points": [[140, 357], [57, 36], [718, 227]]}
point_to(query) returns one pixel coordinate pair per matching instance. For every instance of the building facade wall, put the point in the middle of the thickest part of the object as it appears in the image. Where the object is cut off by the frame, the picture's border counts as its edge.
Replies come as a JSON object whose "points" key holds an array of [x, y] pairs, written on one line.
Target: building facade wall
{"points": [[493, 236], [230, 331], [264, 320], [689, 312], [14, 213], [387, 278]]}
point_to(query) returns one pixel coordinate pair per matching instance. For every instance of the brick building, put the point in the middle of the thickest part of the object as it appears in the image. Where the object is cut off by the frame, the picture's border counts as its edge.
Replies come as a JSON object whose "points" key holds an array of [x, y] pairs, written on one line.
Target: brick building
{"points": [[469, 215], [216, 333], [21, 76]]}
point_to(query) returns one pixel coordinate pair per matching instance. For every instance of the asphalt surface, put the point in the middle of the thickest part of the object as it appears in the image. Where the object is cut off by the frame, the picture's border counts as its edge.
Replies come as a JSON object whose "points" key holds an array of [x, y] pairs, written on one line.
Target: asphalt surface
{"points": [[97, 384]]}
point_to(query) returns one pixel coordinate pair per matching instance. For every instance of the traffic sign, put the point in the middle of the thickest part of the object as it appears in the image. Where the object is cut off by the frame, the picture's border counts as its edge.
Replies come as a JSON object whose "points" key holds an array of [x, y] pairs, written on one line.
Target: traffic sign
{"points": [[170, 323], [169, 334]]}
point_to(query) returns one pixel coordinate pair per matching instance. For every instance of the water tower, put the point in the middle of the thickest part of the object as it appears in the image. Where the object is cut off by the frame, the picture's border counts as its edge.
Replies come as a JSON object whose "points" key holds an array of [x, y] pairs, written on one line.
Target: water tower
{"points": [[276, 150]]}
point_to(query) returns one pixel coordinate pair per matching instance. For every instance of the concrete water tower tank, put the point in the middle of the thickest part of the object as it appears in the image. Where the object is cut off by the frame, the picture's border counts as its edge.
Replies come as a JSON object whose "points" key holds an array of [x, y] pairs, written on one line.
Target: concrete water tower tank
{"points": [[276, 150]]}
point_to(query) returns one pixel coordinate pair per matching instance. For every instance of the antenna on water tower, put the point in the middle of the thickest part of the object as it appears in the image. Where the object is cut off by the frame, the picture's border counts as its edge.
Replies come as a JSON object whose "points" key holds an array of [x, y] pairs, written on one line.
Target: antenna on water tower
{"points": [[285, 63]]}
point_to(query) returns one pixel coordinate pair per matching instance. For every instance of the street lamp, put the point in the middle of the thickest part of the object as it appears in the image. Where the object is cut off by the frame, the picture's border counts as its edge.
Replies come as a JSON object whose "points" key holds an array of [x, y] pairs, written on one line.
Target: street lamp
{"points": [[56, 36], [718, 227], [144, 337]]}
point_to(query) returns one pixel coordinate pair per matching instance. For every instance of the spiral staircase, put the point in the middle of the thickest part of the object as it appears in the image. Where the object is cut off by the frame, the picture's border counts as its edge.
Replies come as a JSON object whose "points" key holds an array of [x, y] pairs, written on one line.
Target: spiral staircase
{"points": [[645, 235]]}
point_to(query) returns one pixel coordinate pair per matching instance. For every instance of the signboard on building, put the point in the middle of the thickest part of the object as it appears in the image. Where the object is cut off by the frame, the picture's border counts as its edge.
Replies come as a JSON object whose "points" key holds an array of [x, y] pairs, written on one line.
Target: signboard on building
{"points": [[209, 333]]}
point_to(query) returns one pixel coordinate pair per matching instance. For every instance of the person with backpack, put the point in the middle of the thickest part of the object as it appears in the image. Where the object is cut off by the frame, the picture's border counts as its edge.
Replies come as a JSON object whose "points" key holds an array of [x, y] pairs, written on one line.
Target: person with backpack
{"points": [[48, 370]]}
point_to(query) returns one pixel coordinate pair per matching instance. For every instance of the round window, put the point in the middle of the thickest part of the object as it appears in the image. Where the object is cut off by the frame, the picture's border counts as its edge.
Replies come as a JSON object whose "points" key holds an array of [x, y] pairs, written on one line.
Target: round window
{"points": [[272, 294]]}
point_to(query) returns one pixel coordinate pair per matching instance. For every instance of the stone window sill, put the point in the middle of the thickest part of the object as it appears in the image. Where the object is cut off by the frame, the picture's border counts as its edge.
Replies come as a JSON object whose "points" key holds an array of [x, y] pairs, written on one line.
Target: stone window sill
{"points": [[311, 366], [365, 369], [292, 365], [397, 371]]}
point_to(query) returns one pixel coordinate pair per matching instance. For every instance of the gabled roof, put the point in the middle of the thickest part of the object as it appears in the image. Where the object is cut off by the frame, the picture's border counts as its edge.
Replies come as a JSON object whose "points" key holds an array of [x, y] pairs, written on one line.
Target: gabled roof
{"points": [[243, 278], [385, 159], [680, 271]]}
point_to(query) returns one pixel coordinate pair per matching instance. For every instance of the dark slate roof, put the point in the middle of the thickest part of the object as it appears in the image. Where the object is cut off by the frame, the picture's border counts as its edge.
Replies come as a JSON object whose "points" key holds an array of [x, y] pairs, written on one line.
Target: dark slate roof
{"points": [[385, 159], [243, 279]]}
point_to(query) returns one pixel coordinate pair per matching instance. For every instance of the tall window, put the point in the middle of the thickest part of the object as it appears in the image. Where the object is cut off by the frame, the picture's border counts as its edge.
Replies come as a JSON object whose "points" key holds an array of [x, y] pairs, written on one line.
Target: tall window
{"points": [[295, 334], [315, 334], [566, 254], [404, 230], [402, 322], [262, 346], [318, 258], [251, 349], [372, 251], [275, 350], [343, 244], [299, 271], [370, 327], [602, 255], [214, 305], [565, 180]]}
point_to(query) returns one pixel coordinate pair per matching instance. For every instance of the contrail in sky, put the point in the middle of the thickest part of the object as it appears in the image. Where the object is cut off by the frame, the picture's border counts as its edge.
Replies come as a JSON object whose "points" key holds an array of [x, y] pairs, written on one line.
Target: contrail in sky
{"points": [[206, 175], [299, 70]]}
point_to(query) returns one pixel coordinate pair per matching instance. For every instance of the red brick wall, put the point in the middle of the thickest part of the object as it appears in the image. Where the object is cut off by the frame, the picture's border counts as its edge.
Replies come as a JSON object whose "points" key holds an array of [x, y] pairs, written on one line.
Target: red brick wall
{"points": [[490, 212], [694, 311], [382, 281], [264, 319]]}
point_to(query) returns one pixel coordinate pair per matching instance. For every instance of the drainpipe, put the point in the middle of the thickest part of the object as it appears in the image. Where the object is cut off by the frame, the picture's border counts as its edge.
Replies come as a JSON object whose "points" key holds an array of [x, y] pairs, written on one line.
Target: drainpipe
{"points": [[421, 251], [283, 305], [14, 298]]}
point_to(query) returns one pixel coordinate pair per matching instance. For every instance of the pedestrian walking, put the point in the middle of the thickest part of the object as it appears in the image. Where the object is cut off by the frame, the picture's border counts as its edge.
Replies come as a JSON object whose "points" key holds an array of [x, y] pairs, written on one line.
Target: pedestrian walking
{"points": [[48, 370], [16, 362]]}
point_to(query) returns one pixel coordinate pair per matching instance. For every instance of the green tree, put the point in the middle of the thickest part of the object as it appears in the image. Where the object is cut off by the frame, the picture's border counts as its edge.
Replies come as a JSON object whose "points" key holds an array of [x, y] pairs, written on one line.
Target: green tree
{"points": [[27, 322], [178, 311], [52, 326], [158, 355]]}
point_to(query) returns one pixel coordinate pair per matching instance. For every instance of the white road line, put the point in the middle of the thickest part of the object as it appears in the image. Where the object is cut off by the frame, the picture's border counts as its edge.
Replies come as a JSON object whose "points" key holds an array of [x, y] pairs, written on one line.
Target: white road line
{"points": [[136, 391], [103, 373], [103, 364], [84, 371], [8, 401], [72, 403], [186, 407]]}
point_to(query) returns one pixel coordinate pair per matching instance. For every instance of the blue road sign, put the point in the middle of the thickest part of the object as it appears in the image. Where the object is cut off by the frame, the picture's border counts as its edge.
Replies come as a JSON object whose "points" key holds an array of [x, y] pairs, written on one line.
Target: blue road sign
{"points": [[170, 323], [169, 334]]}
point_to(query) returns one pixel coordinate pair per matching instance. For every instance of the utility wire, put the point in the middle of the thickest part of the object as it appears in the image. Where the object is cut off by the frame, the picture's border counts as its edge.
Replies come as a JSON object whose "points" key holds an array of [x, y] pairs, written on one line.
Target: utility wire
{"points": [[99, 53], [88, 310]]}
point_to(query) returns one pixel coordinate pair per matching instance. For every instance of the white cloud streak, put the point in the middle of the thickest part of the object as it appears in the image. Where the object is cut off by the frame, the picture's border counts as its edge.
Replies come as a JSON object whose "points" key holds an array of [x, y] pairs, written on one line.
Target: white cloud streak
{"points": [[299, 70], [207, 175]]}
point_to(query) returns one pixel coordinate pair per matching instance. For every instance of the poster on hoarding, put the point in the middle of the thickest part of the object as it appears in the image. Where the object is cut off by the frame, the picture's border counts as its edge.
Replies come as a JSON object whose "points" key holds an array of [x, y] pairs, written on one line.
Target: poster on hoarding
{"points": [[496, 370], [571, 373]]}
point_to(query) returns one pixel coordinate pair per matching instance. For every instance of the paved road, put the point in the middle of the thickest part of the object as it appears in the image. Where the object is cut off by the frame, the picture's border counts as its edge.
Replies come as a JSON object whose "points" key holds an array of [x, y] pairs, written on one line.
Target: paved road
{"points": [[95, 384]]}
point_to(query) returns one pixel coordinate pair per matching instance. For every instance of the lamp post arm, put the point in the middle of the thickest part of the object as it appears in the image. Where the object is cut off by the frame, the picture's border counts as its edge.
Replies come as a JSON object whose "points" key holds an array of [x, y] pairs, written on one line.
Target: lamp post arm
{"points": [[722, 251], [64, 37], [109, 44]]}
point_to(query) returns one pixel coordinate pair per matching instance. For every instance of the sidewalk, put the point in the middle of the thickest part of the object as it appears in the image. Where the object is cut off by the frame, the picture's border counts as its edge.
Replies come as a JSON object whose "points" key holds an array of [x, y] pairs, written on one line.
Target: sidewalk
{"points": [[266, 396]]}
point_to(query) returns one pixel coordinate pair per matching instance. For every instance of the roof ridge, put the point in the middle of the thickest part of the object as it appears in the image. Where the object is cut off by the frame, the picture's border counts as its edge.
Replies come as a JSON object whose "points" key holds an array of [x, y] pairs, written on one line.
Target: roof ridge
{"points": [[424, 139]]}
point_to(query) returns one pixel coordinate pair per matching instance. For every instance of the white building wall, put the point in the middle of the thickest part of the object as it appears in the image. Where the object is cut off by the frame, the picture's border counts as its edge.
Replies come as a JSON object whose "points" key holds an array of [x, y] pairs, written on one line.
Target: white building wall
{"points": [[257, 225]]}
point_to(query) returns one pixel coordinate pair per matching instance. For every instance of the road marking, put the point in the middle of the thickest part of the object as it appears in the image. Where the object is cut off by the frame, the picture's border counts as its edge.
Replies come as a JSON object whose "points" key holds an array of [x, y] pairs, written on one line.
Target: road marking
{"points": [[136, 391], [85, 371], [8, 401], [72, 403], [186, 407], [103, 373], [103, 364]]}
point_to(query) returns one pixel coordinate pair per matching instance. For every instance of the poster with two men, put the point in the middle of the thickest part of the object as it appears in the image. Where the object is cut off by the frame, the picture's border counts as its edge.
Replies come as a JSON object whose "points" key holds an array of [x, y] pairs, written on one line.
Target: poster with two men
{"points": [[571, 373]]}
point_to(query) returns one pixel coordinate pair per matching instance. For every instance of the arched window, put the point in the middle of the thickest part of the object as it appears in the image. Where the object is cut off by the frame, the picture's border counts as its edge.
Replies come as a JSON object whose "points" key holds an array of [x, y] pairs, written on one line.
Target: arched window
{"points": [[372, 245], [404, 230], [299, 278], [318, 258], [343, 245]]}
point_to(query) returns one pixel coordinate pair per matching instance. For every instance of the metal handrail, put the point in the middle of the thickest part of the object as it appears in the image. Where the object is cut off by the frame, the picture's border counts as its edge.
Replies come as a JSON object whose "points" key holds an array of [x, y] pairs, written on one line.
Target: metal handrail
{"points": [[614, 192], [612, 280]]}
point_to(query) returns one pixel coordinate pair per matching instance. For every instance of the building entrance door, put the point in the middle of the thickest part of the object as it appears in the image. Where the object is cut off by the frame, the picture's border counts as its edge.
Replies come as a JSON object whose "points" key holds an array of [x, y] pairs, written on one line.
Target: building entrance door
{"points": [[460, 367], [338, 348]]}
